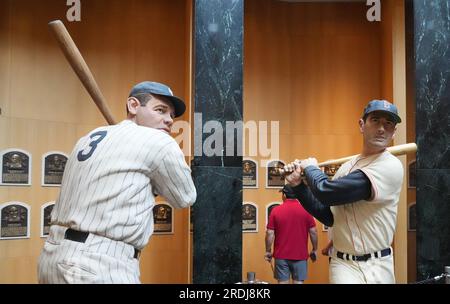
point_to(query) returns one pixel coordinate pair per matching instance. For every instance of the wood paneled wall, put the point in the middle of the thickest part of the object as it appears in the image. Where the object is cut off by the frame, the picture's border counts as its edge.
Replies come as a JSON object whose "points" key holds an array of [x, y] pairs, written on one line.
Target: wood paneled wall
{"points": [[312, 67], [44, 106]]}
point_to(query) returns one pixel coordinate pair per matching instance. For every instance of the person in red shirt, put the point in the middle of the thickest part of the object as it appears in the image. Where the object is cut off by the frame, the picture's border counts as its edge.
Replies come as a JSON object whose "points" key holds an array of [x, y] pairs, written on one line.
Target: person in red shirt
{"points": [[289, 226]]}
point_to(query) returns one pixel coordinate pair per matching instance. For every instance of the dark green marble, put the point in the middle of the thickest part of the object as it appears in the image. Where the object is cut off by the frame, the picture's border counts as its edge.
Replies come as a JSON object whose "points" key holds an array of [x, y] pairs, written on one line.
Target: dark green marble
{"points": [[218, 40], [433, 222], [218, 225], [217, 221], [432, 84]]}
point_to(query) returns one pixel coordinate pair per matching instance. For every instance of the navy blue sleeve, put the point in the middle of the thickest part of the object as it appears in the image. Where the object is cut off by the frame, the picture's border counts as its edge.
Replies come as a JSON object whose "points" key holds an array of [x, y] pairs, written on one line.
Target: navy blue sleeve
{"points": [[322, 193], [314, 207], [351, 188]]}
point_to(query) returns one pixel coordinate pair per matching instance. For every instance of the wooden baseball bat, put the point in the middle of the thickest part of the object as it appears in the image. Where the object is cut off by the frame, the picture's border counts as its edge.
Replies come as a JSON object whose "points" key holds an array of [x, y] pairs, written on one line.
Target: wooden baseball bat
{"points": [[80, 67], [395, 150]]}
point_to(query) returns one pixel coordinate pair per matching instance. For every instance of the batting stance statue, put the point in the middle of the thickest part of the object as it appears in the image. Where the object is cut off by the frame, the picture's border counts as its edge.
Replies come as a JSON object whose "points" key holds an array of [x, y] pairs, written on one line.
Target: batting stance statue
{"points": [[360, 202], [103, 216]]}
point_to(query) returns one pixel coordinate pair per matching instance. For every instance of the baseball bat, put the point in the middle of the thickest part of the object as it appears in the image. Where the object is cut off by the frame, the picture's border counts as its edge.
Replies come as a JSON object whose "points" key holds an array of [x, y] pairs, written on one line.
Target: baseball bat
{"points": [[395, 150], [80, 67]]}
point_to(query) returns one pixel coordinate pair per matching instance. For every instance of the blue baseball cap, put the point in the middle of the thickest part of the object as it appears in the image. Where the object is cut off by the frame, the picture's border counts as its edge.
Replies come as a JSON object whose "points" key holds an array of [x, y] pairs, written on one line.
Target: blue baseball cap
{"points": [[383, 106], [151, 87]]}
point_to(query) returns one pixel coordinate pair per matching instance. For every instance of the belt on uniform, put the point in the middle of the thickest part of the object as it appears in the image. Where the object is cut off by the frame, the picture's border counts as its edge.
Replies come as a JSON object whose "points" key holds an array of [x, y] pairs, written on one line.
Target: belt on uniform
{"points": [[364, 257], [81, 236]]}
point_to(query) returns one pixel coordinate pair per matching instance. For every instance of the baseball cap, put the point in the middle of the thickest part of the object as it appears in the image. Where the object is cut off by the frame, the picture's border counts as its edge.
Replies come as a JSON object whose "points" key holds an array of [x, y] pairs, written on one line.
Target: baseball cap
{"points": [[287, 190], [159, 89], [383, 106]]}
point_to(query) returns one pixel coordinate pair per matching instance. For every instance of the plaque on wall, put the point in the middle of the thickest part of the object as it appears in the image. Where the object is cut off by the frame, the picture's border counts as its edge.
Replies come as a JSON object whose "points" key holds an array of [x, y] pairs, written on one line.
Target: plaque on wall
{"points": [[412, 222], [412, 174], [16, 167], [331, 170], [163, 218], [15, 221], [269, 209], [249, 217], [274, 178], [191, 219], [46, 213], [249, 173], [53, 164]]}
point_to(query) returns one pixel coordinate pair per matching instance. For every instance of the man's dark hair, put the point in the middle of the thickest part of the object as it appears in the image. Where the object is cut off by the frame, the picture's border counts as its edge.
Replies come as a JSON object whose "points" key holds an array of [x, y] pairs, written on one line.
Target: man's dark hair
{"points": [[143, 98]]}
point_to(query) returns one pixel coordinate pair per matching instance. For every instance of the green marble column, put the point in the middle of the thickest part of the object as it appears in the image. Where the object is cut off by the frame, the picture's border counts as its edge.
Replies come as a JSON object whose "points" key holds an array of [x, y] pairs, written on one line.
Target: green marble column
{"points": [[432, 83], [217, 165]]}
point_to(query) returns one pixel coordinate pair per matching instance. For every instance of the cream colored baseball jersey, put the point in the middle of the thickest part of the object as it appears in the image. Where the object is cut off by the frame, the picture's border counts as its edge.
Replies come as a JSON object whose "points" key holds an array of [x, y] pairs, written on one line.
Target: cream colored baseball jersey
{"points": [[110, 178], [108, 191], [368, 226]]}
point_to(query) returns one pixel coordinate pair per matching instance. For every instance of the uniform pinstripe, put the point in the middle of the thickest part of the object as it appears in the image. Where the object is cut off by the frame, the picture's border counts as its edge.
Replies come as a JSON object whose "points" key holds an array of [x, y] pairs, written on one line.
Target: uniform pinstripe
{"points": [[367, 226], [110, 194]]}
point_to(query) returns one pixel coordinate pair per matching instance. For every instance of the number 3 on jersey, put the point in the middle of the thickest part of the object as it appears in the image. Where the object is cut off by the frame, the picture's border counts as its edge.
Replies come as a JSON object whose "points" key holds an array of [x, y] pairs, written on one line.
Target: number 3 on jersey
{"points": [[96, 138]]}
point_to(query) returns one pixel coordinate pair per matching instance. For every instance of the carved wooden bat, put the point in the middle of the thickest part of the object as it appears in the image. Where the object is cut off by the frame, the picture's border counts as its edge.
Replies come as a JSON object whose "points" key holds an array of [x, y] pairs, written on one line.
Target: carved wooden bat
{"points": [[80, 67], [395, 150]]}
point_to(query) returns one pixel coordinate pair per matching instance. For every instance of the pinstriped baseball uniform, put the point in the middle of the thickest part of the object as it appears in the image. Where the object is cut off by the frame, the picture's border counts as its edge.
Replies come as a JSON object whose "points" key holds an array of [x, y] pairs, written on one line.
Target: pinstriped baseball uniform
{"points": [[108, 190], [367, 226]]}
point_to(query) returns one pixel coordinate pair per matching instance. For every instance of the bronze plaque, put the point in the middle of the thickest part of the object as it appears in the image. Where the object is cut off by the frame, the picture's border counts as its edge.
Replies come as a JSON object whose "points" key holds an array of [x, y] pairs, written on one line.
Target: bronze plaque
{"points": [[274, 177], [331, 170], [53, 169], [269, 210], [412, 175], [14, 221], [191, 217], [249, 218], [412, 219], [163, 219], [249, 174], [46, 219], [15, 168]]}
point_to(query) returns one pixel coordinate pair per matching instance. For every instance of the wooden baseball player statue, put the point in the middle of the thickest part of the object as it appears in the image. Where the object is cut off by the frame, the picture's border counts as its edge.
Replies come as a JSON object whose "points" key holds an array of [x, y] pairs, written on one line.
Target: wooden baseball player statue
{"points": [[103, 216], [360, 203]]}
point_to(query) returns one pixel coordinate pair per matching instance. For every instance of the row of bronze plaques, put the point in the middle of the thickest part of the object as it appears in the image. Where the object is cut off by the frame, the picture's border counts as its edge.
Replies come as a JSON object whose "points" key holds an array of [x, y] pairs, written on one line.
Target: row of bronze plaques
{"points": [[250, 215], [274, 178], [15, 219], [15, 165]]}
